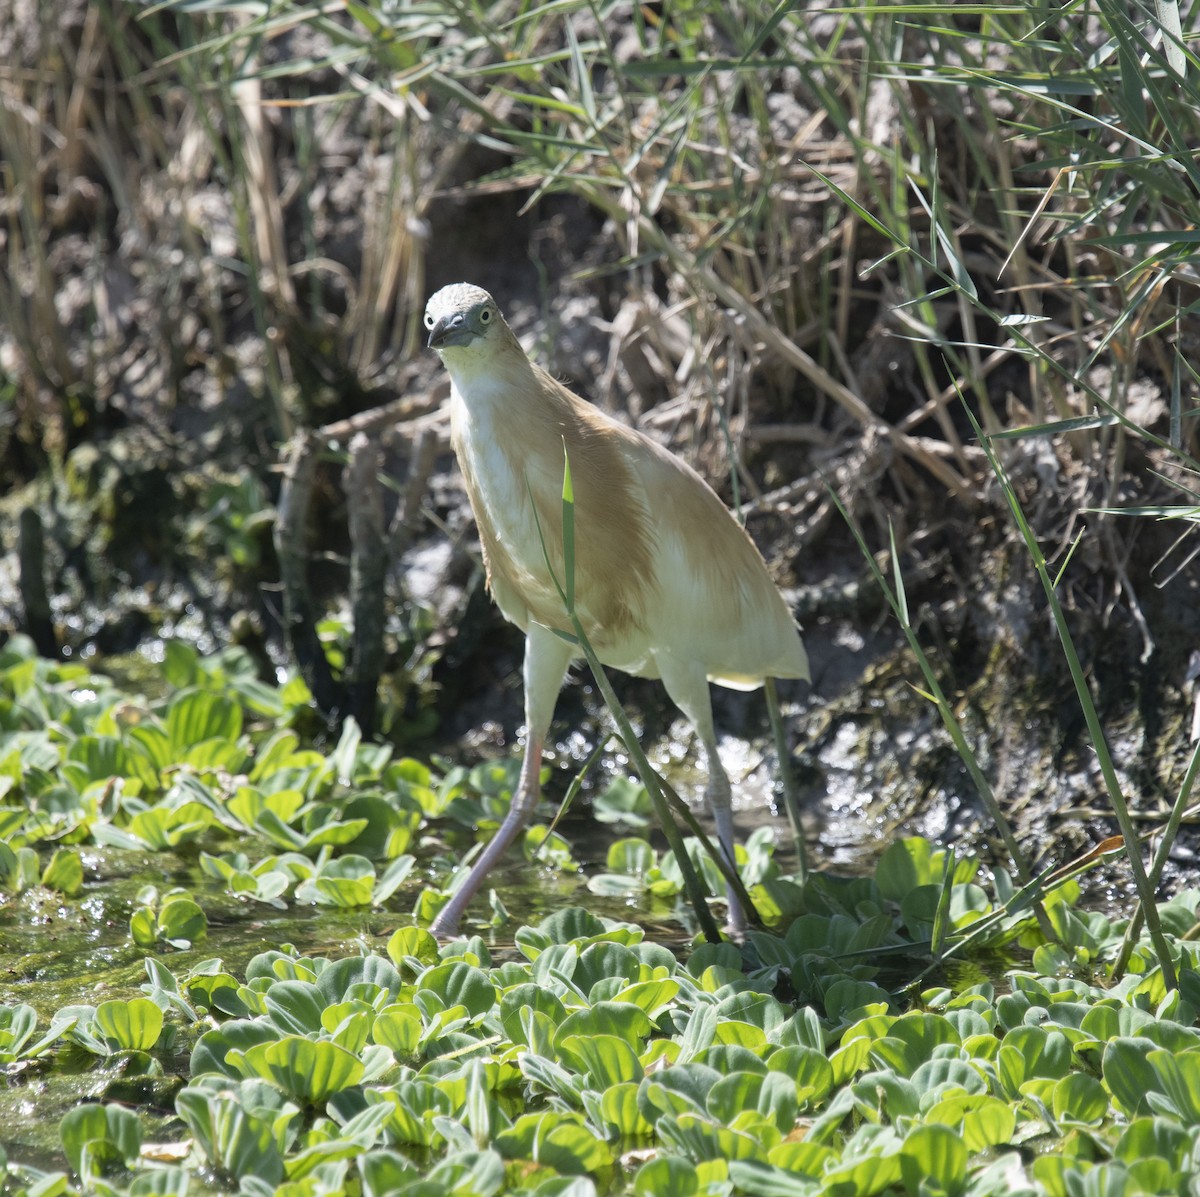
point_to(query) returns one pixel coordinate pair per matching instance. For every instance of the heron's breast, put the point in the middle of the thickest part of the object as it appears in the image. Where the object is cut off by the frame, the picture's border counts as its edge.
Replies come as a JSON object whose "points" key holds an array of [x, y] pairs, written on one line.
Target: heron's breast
{"points": [[499, 493]]}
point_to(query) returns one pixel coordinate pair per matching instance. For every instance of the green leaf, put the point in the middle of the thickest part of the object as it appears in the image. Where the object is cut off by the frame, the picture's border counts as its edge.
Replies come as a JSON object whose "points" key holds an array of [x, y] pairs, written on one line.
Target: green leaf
{"points": [[525, 999], [558, 1140], [17, 1024], [568, 518], [412, 943], [94, 758], [884, 1092], [415, 1105], [619, 1111], [385, 1173], [19, 869], [651, 997], [808, 1068], [571, 923], [603, 967], [1158, 1137], [760, 1010], [133, 1025], [683, 1088], [621, 1019], [346, 882], [666, 1176], [143, 926], [627, 801], [210, 1056], [195, 716], [700, 1138], [605, 1059], [368, 977], [392, 878], [982, 1120], [182, 923], [848, 999], [849, 1059], [181, 663], [631, 856], [238, 1144], [1031, 1052], [803, 1158], [64, 873], [398, 1027], [1178, 1076], [307, 1071], [348, 1024], [1080, 1098], [216, 991], [295, 1007], [764, 1180], [771, 1094], [389, 828], [149, 751], [100, 1135], [911, 1040], [460, 984], [249, 804], [470, 1172], [933, 1159], [161, 829]]}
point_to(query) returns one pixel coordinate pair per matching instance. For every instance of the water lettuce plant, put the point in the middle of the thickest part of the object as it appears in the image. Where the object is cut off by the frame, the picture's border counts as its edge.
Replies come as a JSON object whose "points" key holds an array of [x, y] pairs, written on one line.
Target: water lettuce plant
{"points": [[843, 1048], [591, 1059]]}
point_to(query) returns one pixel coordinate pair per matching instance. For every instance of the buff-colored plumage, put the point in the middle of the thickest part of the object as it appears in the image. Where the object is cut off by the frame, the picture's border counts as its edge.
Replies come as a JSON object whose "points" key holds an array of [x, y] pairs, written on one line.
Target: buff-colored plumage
{"points": [[667, 583]]}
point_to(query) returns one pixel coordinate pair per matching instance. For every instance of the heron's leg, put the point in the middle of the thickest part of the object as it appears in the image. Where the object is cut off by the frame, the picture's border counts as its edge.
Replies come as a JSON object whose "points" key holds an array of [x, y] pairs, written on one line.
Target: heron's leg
{"points": [[547, 657], [687, 685]]}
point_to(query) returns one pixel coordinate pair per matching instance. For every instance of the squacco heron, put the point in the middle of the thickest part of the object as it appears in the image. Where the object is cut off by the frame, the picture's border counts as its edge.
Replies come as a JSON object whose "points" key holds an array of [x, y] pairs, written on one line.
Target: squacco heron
{"points": [[667, 583]]}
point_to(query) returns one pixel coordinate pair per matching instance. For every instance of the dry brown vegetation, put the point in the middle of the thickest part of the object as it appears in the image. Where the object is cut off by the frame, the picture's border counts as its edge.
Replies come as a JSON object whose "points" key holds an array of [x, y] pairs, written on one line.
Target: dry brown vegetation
{"points": [[798, 246]]}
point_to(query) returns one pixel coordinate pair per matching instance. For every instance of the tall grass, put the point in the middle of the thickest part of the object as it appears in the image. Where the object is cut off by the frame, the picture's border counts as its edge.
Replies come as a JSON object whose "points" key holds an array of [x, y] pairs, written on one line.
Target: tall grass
{"points": [[1015, 184]]}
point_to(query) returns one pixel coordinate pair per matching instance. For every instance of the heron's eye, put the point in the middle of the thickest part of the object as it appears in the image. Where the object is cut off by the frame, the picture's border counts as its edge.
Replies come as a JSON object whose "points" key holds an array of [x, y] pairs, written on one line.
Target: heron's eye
{"points": [[429, 320], [485, 317]]}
